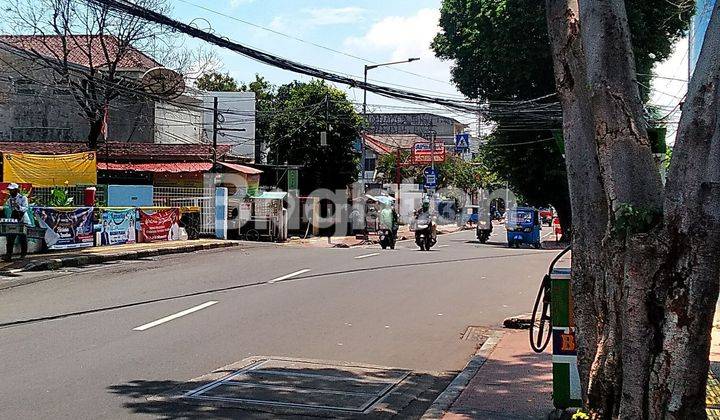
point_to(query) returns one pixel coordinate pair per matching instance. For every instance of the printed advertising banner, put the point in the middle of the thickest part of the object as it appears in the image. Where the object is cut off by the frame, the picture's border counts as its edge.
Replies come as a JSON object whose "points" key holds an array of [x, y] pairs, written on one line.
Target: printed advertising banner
{"points": [[50, 170], [160, 225], [66, 228], [118, 227]]}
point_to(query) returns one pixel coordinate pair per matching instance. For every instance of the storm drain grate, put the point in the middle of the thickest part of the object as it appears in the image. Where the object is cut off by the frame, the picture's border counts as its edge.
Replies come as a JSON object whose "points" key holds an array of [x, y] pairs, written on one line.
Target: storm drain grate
{"points": [[302, 384]]}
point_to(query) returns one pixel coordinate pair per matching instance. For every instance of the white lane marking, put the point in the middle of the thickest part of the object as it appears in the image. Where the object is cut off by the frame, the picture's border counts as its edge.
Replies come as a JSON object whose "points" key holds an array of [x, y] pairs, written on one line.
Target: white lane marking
{"points": [[443, 246], [360, 257], [174, 316], [287, 276]]}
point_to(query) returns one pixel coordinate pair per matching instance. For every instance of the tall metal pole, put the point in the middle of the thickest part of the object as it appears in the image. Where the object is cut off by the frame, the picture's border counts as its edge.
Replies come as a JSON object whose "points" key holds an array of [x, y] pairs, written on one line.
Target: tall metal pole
{"points": [[362, 137], [432, 146], [397, 178], [215, 130]]}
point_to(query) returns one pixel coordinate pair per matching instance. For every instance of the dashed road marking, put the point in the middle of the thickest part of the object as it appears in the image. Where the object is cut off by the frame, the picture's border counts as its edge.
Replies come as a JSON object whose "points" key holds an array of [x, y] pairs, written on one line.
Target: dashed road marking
{"points": [[287, 276], [360, 257], [174, 316]]}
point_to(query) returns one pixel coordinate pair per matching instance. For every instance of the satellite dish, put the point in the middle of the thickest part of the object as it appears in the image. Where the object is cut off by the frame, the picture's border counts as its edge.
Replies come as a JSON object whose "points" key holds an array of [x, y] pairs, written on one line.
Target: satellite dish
{"points": [[163, 82]]}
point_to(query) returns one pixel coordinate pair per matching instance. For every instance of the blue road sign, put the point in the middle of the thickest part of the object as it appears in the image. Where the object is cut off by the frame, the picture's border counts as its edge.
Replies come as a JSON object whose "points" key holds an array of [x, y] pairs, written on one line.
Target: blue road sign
{"points": [[462, 142], [430, 178]]}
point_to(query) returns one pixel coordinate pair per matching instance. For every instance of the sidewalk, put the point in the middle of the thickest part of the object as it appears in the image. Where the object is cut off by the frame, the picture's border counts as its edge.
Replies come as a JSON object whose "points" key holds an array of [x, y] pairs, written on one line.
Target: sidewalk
{"points": [[351, 241], [95, 255], [512, 382]]}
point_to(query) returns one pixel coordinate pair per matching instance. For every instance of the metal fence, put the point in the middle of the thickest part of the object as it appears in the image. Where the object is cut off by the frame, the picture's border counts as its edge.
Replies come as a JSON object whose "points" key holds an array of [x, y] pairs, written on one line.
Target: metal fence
{"points": [[204, 198], [43, 195]]}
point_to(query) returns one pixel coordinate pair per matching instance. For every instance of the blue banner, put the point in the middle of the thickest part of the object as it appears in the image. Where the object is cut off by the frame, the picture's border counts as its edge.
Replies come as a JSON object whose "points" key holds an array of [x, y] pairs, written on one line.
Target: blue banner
{"points": [[66, 229], [118, 227]]}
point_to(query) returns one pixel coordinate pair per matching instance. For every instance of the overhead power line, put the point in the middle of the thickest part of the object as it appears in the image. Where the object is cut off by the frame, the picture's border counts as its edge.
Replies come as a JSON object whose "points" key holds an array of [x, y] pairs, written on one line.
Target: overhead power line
{"points": [[304, 41], [125, 6]]}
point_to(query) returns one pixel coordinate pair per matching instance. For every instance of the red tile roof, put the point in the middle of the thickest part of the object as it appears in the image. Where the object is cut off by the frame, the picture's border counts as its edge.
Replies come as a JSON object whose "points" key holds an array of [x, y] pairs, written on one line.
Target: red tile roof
{"points": [[172, 167], [241, 168], [83, 50], [124, 152], [387, 143]]}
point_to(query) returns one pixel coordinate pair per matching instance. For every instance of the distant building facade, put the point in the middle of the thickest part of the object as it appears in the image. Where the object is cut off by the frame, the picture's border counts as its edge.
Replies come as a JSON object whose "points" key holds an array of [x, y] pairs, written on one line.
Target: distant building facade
{"points": [[420, 124]]}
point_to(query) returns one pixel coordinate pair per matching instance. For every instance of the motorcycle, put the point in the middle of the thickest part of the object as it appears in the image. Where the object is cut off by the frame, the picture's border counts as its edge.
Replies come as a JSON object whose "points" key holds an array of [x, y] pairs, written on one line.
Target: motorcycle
{"points": [[483, 231], [424, 233], [387, 238]]}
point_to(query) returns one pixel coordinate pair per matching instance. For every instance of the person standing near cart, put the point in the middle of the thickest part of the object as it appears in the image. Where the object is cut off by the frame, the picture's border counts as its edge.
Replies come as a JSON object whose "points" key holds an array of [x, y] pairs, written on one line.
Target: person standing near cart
{"points": [[17, 207]]}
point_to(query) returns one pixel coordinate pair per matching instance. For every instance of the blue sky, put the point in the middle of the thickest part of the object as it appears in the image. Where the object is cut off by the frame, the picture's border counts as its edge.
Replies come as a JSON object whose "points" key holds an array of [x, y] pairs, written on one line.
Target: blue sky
{"points": [[376, 30]]}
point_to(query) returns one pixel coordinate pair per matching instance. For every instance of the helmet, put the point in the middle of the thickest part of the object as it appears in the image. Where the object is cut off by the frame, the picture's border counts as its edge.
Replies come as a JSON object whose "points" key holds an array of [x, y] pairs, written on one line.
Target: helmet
{"points": [[13, 186]]}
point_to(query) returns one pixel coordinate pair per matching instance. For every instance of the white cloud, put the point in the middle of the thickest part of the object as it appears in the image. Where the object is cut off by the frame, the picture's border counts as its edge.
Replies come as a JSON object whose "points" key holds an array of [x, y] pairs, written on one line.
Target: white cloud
{"points": [[279, 23], [234, 4], [335, 16], [405, 37]]}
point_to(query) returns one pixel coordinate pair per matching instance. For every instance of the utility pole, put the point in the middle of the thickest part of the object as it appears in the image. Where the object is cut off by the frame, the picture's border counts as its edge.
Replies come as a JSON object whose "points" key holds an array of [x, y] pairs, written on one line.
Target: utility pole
{"points": [[364, 107], [432, 145], [216, 118], [398, 157], [215, 130]]}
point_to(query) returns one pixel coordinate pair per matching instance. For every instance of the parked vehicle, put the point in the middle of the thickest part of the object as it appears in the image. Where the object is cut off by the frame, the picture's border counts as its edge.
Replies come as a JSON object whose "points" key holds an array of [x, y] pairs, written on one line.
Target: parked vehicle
{"points": [[523, 227], [425, 236], [546, 215]]}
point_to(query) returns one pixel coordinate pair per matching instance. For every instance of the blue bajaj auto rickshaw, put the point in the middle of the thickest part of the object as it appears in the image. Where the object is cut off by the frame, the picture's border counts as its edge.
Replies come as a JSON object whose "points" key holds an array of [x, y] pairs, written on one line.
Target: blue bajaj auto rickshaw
{"points": [[523, 227]]}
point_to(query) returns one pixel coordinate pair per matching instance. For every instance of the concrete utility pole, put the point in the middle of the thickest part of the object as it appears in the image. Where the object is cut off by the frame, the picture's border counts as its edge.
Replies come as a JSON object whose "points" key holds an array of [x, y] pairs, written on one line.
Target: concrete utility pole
{"points": [[215, 129], [216, 117]]}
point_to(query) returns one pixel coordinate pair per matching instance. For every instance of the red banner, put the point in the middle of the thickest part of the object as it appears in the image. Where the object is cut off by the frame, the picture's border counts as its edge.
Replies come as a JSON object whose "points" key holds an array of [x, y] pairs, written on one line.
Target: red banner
{"points": [[160, 225], [423, 153]]}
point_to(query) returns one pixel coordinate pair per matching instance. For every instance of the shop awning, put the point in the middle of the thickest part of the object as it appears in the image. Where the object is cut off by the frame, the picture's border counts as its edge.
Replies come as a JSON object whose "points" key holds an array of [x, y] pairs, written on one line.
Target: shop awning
{"points": [[241, 168], [170, 167], [271, 195]]}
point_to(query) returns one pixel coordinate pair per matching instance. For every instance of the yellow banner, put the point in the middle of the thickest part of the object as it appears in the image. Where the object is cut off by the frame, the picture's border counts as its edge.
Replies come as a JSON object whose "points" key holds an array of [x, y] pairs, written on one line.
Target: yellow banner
{"points": [[50, 170]]}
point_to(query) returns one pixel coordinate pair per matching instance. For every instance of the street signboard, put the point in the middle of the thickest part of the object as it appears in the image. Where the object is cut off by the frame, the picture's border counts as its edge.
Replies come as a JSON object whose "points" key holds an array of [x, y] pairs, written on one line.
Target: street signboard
{"points": [[292, 179], [430, 178], [422, 153], [462, 142]]}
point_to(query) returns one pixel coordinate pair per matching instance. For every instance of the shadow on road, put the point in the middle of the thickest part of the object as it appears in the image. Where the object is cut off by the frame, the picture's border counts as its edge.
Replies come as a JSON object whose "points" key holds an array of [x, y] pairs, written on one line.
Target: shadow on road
{"points": [[289, 393]]}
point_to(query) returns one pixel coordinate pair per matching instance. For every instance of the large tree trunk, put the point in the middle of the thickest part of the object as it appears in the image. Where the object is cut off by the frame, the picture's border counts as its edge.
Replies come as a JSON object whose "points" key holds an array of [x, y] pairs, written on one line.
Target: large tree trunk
{"points": [[645, 283], [586, 190], [95, 131], [689, 287]]}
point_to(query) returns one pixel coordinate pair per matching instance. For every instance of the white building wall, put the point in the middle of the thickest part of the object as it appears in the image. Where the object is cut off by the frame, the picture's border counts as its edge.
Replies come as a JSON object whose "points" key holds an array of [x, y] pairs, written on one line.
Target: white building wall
{"points": [[177, 124], [236, 111]]}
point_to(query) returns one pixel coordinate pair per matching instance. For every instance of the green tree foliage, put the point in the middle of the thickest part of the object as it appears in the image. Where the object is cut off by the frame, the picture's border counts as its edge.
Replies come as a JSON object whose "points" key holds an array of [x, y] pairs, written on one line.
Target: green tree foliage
{"points": [[289, 120], [302, 110], [387, 167], [501, 52], [467, 176], [264, 96], [216, 82]]}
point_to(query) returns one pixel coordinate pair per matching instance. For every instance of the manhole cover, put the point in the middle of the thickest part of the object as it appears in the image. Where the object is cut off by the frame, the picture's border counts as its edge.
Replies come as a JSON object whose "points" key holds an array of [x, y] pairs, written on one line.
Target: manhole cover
{"points": [[301, 384]]}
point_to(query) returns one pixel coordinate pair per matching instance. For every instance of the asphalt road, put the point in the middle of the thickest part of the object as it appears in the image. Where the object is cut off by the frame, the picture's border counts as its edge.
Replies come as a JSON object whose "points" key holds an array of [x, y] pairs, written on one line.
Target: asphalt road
{"points": [[93, 343]]}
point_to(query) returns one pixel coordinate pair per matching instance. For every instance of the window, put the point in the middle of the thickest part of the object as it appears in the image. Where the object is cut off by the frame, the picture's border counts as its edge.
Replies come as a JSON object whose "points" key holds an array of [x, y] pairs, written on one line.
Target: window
{"points": [[370, 164], [25, 87]]}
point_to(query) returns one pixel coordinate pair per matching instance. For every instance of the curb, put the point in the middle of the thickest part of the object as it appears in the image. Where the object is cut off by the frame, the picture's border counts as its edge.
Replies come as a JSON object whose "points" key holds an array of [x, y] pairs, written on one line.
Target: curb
{"points": [[83, 260], [443, 402]]}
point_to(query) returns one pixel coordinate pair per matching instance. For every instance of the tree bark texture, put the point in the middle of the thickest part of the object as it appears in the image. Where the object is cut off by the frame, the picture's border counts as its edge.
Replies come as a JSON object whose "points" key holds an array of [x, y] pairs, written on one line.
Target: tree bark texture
{"points": [[644, 299]]}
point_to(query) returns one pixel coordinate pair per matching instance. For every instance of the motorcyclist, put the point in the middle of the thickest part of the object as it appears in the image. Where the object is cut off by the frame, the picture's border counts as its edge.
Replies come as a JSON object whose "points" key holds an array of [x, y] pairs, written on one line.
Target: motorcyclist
{"points": [[389, 219], [424, 212]]}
